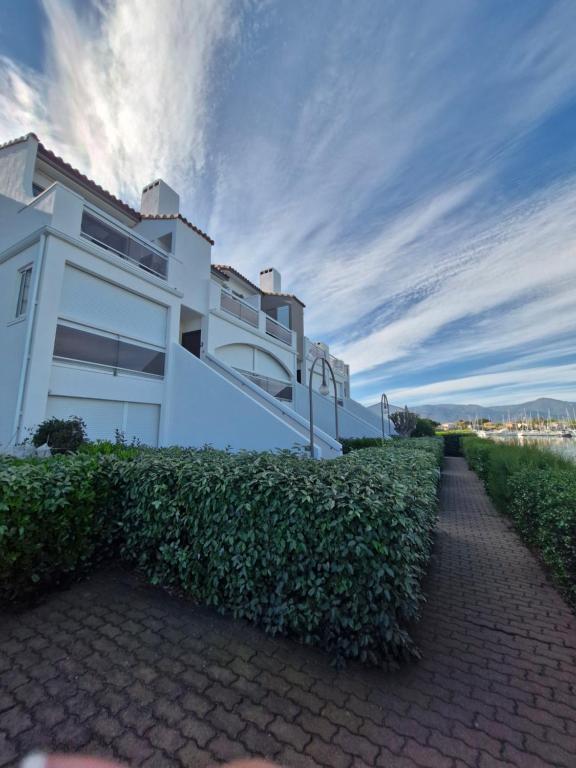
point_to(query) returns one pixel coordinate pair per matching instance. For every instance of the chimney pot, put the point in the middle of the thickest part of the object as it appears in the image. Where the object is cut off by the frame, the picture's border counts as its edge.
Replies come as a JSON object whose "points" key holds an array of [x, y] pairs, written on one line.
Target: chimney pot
{"points": [[158, 199], [270, 280]]}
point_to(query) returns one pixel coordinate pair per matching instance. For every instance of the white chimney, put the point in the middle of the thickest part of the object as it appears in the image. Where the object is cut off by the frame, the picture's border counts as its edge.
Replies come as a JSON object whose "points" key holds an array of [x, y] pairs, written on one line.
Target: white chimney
{"points": [[158, 199], [270, 280]]}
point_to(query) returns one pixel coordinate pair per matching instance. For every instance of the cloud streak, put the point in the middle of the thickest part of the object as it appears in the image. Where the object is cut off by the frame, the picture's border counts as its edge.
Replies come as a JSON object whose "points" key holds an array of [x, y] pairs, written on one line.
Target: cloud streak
{"points": [[124, 94], [391, 159]]}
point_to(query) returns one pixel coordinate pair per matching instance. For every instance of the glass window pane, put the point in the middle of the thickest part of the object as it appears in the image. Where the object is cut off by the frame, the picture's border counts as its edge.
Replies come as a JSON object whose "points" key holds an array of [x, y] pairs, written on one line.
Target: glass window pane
{"points": [[98, 230], [283, 315], [136, 358], [73, 344], [23, 292]]}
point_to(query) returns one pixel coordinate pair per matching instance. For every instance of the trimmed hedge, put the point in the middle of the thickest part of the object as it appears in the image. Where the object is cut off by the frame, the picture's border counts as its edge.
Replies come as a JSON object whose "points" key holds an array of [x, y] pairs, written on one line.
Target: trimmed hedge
{"points": [[329, 552], [537, 488], [56, 521]]}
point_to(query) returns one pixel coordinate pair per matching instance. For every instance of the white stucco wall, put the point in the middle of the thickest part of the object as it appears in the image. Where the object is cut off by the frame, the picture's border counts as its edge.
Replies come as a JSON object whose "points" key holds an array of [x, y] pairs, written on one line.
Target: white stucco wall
{"points": [[12, 336], [349, 425], [206, 408], [224, 330]]}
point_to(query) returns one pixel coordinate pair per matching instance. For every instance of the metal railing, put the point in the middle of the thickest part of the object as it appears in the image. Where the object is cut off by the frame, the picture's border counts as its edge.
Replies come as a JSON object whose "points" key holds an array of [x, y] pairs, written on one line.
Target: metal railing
{"points": [[278, 331], [123, 243], [238, 308], [338, 365], [279, 389]]}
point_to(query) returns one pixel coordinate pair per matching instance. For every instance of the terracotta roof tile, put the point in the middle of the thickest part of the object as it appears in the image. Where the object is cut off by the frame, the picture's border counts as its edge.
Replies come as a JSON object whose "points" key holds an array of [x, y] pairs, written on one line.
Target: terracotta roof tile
{"points": [[228, 268], [287, 295], [182, 219], [55, 160]]}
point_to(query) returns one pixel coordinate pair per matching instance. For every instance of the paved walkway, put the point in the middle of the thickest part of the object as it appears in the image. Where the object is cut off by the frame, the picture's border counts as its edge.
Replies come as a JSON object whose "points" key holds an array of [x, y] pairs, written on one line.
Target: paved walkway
{"points": [[112, 667]]}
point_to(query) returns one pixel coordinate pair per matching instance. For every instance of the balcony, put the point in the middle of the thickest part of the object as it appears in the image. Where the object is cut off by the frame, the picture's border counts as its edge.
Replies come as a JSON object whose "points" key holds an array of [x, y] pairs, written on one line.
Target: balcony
{"points": [[279, 389], [278, 331], [339, 366], [239, 308], [243, 310], [124, 244]]}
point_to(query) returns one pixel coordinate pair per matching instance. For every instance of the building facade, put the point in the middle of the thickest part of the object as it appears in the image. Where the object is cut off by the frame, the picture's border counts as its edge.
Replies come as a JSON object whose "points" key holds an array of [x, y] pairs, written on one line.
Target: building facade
{"points": [[119, 316]]}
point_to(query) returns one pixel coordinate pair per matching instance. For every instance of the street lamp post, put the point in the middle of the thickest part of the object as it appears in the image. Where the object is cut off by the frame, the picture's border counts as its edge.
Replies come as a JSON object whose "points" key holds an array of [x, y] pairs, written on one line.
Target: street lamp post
{"points": [[323, 391], [384, 406]]}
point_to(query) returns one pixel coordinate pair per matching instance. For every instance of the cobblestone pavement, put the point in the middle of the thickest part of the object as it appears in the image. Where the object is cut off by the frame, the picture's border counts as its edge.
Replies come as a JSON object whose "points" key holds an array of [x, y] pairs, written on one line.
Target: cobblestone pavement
{"points": [[111, 667]]}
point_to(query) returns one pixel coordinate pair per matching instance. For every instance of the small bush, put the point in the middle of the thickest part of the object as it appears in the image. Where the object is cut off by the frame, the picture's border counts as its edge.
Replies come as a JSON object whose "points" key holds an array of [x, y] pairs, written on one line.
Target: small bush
{"points": [[62, 435], [424, 428]]}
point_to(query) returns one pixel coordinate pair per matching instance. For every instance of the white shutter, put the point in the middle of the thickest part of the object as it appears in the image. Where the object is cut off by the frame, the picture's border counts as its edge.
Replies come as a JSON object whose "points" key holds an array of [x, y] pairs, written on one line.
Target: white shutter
{"points": [[142, 422], [88, 299], [104, 417]]}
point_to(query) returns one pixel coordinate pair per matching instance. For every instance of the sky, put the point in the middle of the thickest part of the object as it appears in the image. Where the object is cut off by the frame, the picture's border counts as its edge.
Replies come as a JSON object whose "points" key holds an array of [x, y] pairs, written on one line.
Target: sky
{"points": [[409, 166]]}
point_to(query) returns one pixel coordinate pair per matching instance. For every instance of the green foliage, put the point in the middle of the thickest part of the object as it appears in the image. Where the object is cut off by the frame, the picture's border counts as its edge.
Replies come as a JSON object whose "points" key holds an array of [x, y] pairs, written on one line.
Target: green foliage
{"points": [[424, 428], [537, 488], [329, 552], [55, 521], [432, 445], [355, 443], [62, 435], [453, 442]]}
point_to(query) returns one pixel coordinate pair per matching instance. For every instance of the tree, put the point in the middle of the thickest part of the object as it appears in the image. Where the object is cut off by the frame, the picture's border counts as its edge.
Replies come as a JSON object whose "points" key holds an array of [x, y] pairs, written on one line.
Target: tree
{"points": [[424, 428], [404, 421]]}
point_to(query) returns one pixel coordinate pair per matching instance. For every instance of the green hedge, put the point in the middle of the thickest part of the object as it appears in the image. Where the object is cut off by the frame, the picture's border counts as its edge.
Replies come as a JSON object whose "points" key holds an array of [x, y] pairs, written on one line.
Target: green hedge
{"points": [[431, 444], [56, 520], [329, 552], [537, 488]]}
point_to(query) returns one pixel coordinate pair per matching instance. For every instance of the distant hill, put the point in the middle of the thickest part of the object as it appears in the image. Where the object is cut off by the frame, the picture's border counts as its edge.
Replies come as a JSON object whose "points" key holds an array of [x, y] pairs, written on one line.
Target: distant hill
{"points": [[448, 412]]}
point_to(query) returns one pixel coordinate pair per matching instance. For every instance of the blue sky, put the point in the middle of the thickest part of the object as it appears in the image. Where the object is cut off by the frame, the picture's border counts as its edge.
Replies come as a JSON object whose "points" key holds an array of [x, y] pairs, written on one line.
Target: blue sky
{"points": [[409, 166]]}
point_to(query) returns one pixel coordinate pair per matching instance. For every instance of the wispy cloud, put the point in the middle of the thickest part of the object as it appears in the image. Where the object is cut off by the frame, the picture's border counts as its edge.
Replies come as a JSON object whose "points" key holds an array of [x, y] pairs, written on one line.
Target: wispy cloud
{"points": [[381, 155], [125, 92]]}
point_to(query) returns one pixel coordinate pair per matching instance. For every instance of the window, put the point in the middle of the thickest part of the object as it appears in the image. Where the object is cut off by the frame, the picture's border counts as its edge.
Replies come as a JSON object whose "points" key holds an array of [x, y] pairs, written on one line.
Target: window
{"points": [[85, 347], [37, 189], [106, 236], [283, 315], [23, 291]]}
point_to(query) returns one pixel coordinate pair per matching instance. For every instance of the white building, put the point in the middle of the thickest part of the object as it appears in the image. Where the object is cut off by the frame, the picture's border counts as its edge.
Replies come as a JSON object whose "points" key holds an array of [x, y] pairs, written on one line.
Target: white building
{"points": [[119, 316]]}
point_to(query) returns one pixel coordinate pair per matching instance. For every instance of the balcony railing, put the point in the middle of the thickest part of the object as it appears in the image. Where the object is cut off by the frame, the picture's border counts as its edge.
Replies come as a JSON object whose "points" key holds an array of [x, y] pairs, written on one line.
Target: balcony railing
{"points": [[278, 389], [125, 245], [337, 364], [238, 308], [278, 331]]}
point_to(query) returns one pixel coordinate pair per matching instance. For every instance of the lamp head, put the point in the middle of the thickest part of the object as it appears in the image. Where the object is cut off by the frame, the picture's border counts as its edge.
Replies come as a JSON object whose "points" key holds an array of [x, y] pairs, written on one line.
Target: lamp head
{"points": [[323, 388]]}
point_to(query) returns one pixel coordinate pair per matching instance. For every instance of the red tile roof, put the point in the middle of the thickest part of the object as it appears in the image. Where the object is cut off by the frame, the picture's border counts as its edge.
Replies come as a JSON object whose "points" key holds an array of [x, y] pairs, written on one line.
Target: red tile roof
{"points": [[227, 268], [287, 295], [182, 219], [52, 158]]}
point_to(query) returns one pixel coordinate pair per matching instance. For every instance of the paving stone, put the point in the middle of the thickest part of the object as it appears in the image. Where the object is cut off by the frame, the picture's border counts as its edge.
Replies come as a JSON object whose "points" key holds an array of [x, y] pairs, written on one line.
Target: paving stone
{"points": [[133, 748], [115, 669]]}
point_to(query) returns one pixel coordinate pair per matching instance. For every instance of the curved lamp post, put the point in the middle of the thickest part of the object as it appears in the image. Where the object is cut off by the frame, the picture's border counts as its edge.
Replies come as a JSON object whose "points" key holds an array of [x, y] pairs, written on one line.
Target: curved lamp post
{"points": [[384, 406], [323, 391]]}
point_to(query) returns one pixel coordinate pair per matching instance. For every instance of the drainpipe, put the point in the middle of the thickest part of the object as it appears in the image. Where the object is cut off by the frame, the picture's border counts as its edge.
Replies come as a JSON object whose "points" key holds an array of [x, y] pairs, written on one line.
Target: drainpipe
{"points": [[37, 274]]}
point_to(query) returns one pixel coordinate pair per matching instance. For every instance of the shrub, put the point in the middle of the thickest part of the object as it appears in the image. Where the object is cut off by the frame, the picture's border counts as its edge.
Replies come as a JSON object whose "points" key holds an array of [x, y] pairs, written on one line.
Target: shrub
{"points": [[355, 443], [432, 445], [56, 519], [424, 428], [62, 435], [330, 552], [537, 488]]}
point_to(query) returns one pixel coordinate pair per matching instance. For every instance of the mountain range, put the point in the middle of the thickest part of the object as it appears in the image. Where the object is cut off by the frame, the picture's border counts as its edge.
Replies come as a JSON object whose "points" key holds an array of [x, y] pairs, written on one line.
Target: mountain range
{"points": [[450, 412]]}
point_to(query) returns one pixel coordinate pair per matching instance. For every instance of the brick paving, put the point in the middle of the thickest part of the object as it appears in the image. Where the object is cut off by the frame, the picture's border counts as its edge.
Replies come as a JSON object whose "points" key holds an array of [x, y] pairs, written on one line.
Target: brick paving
{"points": [[115, 668]]}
